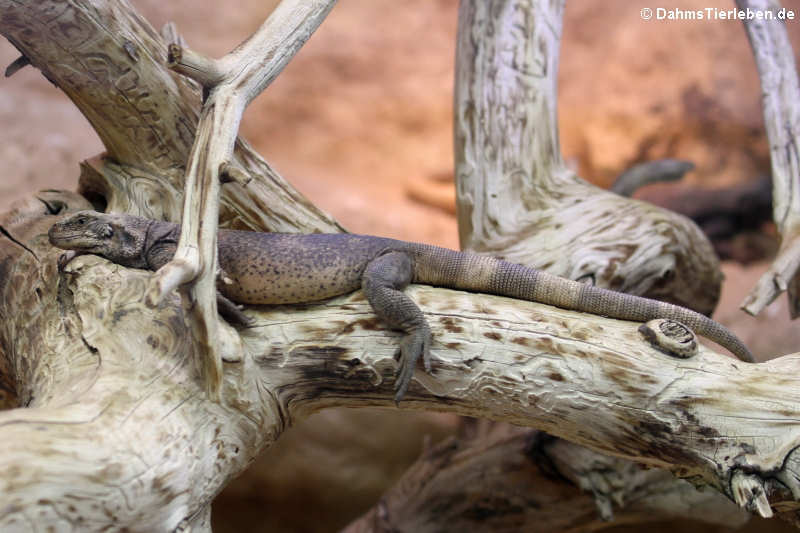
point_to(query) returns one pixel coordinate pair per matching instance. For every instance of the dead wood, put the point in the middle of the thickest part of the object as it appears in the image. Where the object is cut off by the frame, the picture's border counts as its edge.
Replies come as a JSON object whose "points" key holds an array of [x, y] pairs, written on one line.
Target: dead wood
{"points": [[779, 91], [517, 199], [114, 427]]}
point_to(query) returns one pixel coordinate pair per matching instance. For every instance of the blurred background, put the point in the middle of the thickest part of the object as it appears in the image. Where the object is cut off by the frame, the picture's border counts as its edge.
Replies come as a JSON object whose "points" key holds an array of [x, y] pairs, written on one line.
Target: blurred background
{"points": [[361, 122]]}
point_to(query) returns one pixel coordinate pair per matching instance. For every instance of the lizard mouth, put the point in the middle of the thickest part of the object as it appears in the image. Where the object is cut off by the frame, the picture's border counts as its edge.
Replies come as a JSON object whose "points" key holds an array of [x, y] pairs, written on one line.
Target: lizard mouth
{"points": [[65, 239]]}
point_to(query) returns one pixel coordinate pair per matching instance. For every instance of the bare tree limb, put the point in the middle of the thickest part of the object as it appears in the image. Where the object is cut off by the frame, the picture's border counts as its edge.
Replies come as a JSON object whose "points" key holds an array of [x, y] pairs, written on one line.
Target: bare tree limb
{"points": [[204, 70], [496, 480], [779, 96], [503, 360], [517, 199], [232, 82], [144, 113], [261, 58], [580, 377]]}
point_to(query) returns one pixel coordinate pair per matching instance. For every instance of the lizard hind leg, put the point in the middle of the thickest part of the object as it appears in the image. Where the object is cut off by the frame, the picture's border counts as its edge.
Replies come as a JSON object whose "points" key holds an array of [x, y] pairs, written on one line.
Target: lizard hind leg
{"points": [[384, 279], [232, 312]]}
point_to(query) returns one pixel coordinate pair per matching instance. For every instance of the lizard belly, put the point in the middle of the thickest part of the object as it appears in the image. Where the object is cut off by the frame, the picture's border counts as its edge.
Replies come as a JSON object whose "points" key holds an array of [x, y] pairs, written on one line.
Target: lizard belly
{"points": [[263, 288]]}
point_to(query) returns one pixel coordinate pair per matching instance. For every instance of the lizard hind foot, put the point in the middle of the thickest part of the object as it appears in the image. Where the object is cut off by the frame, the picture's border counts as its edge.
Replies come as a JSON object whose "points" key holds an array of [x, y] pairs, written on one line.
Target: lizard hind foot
{"points": [[383, 282], [415, 343], [232, 312]]}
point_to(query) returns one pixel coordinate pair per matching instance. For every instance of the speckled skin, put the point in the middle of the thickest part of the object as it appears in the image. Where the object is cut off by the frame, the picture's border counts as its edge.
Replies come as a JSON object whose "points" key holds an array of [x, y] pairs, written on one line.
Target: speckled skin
{"points": [[275, 268], [296, 268]]}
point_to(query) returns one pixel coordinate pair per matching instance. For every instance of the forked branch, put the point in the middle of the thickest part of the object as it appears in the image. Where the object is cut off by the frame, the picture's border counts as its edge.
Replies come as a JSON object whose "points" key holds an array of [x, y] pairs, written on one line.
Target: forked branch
{"points": [[231, 84]]}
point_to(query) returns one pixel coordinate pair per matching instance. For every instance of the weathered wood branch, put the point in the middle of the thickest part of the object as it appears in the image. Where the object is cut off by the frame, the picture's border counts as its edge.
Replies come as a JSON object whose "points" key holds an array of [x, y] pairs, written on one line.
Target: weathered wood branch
{"points": [[517, 199], [508, 478], [231, 82], [145, 114], [170, 450], [298, 360], [247, 71], [780, 89], [105, 359], [732, 217]]}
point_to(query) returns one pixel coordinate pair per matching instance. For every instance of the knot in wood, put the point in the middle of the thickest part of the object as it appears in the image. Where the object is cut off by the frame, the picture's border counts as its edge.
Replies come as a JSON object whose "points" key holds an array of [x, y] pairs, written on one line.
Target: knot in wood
{"points": [[670, 337]]}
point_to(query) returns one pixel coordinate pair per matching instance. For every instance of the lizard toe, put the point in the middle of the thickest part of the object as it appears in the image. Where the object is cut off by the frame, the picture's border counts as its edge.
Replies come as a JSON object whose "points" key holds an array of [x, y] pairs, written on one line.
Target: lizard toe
{"points": [[415, 344], [65, 258]]}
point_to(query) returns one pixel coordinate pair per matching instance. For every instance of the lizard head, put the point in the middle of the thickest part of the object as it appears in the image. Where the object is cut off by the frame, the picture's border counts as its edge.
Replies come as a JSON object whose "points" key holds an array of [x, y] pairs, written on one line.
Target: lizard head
{"points": [[117, 237]]}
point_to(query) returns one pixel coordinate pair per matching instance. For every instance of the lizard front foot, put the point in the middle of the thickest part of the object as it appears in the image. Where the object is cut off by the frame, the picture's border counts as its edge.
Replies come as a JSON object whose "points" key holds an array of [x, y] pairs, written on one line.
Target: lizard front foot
{"points": [[65, 258]]}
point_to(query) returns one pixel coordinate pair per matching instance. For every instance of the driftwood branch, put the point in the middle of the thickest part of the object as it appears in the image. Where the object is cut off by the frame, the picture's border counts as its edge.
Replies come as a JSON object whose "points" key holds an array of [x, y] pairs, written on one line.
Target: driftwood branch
{"points": [[95, 366], [779, 98], [145, 115], [507, 478], [518, 200], [588, 379], [232, 82]]}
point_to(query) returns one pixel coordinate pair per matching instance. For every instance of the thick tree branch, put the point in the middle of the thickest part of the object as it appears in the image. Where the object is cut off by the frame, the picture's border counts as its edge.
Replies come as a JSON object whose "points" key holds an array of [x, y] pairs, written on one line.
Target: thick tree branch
{"points": [[779, 98], [516, 197], [299, 360], [145, 114], [104, 359], [113, 435], [504, 479]]}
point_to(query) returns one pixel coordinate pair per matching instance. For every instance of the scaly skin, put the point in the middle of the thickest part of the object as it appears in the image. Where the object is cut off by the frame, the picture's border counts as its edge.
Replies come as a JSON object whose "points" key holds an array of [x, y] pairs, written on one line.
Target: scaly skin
{"points": [[275, 268]]}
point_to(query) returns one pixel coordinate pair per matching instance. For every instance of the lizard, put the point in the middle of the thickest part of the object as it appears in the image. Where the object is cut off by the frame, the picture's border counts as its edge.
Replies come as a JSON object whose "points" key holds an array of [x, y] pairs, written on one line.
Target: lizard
{"points": [[287, 268]]}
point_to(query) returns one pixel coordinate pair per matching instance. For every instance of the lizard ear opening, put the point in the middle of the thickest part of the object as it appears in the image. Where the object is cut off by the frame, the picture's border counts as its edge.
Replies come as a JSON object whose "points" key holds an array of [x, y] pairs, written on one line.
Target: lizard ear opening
{"points": [[106, 231]]}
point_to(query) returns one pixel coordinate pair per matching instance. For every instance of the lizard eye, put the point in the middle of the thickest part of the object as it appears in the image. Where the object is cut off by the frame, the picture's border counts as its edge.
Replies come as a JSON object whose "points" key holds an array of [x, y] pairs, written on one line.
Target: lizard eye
{"points": [[81, 221]]}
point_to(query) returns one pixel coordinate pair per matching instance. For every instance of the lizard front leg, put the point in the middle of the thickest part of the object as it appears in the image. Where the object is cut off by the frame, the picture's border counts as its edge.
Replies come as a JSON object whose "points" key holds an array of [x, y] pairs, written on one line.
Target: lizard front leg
{"points": [[66, 257], [384, 279]]}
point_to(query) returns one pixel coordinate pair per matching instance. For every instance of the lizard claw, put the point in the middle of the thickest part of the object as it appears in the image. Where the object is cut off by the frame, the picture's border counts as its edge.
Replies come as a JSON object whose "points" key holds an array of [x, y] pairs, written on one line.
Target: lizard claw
{"points": [[232, 312], [65, 258], [416, 343]]}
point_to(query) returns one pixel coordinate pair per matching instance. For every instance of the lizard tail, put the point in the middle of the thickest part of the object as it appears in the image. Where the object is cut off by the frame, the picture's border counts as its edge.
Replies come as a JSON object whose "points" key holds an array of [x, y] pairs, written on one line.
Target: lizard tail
{"points": [[465, 271]]}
